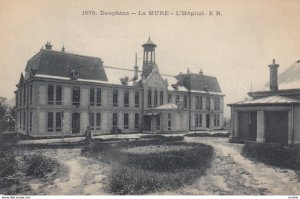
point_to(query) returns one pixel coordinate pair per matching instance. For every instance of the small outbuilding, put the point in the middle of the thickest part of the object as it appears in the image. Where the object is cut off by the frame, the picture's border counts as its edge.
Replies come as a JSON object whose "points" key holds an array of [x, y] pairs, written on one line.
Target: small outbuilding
{"points": [[270, 116]]}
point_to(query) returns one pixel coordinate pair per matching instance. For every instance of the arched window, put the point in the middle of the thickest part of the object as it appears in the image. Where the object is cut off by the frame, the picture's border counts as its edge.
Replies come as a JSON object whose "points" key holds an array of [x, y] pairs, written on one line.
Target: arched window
{"points": [[149, 98], [155, 98], [161, 98]]}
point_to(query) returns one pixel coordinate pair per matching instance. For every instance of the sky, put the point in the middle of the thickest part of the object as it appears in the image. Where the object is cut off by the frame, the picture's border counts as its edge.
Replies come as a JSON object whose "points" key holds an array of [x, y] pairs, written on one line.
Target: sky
{"points": [[236, 47]]}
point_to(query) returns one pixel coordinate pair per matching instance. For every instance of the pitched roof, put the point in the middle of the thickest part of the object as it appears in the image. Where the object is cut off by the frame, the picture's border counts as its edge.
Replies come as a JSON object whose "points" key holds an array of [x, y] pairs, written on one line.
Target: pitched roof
{"points": [[149, 42], [168, 106], [56, 63], [271, 100], [199, 82]]}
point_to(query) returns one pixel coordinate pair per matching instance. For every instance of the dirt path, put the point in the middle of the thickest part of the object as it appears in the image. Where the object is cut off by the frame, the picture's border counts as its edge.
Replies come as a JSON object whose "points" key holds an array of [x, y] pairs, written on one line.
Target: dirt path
{"points": [[231, 173], [81, 175]]}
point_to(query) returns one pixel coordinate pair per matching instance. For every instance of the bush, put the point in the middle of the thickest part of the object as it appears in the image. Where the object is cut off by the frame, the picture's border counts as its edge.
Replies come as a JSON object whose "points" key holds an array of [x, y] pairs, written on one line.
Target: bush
{"points": [[39, 165], [274, 154], [115, 130], [160, 137], [7, 163], [207, 135], [144, 173]]}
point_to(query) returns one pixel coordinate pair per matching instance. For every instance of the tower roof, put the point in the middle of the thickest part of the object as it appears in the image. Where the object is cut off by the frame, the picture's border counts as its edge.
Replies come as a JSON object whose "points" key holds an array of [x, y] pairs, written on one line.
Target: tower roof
{"points": [[149, 43]]}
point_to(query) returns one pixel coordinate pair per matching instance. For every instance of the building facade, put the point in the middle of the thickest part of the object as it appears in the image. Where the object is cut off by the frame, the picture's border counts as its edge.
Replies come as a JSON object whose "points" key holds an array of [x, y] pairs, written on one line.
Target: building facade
{"points": [[270, 116], [63, 93]]}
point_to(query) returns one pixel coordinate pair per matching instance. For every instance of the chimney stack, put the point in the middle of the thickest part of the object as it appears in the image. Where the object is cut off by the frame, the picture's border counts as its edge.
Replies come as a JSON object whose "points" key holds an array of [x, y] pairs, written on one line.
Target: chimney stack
{"points": [[136, 71], [273, 76], [48, 46]]}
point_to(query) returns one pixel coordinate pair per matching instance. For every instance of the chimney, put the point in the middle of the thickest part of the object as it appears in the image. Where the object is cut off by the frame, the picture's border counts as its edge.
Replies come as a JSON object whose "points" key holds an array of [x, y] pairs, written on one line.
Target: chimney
{"points": [[273, 76], [63, 49], [201, 72], [48, 46], [136, 71]]}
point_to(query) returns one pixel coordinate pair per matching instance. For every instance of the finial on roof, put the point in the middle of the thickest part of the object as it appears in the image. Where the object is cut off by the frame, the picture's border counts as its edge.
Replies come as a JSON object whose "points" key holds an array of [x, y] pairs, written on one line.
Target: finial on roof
{"points": [[63, 48], [274, 61], [188, 70], [201, 72]]}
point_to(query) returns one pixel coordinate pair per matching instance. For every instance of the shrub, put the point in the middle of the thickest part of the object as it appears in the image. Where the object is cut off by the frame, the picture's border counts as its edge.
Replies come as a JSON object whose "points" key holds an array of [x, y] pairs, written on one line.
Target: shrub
{"points": [[115, 130], [207, 135], [274, 154], [161, 137], [7, 163], [39, 165]]}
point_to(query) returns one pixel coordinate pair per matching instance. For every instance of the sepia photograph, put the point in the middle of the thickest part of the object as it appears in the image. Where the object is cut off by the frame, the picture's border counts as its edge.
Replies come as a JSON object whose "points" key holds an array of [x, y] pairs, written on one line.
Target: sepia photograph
{"points": [[152, 98]]}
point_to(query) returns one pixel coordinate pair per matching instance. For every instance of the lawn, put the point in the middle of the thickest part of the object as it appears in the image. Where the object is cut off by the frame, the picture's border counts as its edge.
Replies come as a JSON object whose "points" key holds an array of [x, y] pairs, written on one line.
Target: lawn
{"points": [[151, 165]]}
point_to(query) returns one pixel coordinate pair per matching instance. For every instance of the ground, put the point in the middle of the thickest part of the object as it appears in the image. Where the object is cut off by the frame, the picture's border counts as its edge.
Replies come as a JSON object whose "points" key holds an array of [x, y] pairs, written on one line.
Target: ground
{"points": [[230, 173]]}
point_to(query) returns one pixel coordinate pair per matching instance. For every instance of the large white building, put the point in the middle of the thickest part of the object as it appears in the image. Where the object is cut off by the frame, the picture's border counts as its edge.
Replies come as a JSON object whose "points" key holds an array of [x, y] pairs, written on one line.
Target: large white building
{"points": [[63, 93]]}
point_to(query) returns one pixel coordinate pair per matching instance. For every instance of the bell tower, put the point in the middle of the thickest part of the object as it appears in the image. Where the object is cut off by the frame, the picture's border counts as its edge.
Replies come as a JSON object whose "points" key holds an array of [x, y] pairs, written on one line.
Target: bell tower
{"points": [[148, 57]]}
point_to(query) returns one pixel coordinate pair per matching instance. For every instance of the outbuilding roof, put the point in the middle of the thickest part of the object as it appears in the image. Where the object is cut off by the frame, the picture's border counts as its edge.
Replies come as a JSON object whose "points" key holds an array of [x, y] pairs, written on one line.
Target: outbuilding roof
{"points": [[271, 100]]}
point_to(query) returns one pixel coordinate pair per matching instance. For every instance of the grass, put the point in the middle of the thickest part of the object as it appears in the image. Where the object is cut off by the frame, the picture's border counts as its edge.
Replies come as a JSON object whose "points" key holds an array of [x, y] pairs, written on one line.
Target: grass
{"points": [[138, 174], [274, 154]]}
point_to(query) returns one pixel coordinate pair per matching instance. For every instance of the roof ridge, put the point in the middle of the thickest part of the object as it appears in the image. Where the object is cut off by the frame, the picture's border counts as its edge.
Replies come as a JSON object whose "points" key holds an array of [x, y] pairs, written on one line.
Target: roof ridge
{"points": [[68, 53]]}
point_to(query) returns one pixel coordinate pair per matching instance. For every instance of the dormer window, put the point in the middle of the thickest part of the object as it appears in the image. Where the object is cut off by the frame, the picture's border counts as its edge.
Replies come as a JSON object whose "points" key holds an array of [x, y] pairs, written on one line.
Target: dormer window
{"points": [[74, 74]]}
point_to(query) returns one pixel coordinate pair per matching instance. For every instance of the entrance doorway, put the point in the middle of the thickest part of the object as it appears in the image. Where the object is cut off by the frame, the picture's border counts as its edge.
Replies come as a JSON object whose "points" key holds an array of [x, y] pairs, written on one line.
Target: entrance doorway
{"points": [[277, 126], [248, 125], [75, 123]]}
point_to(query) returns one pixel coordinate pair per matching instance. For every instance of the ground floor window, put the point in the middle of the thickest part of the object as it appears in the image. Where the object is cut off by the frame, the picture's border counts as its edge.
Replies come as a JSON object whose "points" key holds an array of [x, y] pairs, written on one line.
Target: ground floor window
{"points": [[92, 121], [30, 121], [58, 122], [54, 121], [136, 121], [198, 120], [216, 120], [24, 120], [169, 121], [50, 121], [126, 121], [98, 121], [20, 120], [115, 120], [158, 123]]}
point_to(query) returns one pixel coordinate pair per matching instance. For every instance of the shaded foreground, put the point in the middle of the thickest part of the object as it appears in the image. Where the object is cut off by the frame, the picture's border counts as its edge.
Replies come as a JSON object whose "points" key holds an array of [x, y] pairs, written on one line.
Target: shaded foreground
{"points": [[147, 172]]}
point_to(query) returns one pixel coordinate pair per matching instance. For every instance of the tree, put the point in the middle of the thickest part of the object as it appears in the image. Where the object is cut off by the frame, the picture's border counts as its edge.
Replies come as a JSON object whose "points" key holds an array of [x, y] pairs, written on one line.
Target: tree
{"points": [[7, 116]]}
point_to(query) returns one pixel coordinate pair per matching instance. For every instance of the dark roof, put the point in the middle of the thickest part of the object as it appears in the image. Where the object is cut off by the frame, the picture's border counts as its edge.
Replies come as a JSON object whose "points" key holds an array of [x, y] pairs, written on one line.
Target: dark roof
{"points": [[149, 43], [56, 63], [199, 82]]}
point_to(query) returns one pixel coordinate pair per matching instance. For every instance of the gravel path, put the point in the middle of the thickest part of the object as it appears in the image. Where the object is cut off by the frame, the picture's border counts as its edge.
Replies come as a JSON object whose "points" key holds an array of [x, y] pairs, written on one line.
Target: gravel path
{"points": [[81, 175], [232, 174]]}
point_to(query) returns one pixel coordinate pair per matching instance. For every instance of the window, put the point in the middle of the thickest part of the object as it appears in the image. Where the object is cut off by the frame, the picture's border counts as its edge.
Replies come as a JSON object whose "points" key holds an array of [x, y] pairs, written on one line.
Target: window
{"points": [[92, 96], [17, 99], [58, 122], [198, 102], [115, 120], [76, 95], [149, 98], [20, 122], [30, 121], [216, 120], [98, 121], [115, 98], [177, 99], [24, 120], [208, 103], [58, 94], [126, 99], [92, 121], [20, 97], [185, 101], [217, 103], [30, 94], [125, 120], [169, 121], [137, 99], [155, 98], [157, 123], [50, 94], [24, 96], [98, 96], [161, 98], [136, 121], [169, 98], [198, 120], [50, 121]]}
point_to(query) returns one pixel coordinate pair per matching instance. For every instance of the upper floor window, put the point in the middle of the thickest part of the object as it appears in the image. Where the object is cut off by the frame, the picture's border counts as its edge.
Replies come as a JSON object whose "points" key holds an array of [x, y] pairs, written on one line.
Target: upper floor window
{"points": [[24, 96], [126, 99], [30, 94], [76, 95], [155, 98], [115, 98], [50, 94], [149, 98], [161, 98], [92, 96], [198, 102], [217, 103], [58, 94], [98, 100], [20, 97], [169, 98], [185, 101], [137, 99], [177, 99], [208, 103]]}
